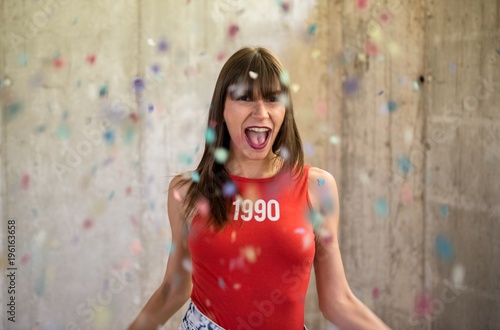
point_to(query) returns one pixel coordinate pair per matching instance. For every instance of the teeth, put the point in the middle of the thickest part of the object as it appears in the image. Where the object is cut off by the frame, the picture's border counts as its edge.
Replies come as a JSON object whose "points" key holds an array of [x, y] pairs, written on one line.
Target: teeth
{"points": [[258, 129]]}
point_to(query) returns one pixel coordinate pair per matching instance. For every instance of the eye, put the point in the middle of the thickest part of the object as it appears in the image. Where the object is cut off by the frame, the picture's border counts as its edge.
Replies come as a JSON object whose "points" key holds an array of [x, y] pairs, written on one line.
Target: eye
{"points": [[273, 98], [243, 98]]}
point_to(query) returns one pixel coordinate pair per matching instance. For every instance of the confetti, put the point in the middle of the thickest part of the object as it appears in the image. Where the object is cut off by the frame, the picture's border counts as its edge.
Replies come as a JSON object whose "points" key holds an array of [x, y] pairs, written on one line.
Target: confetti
{"points": [[361, 4], [22, 59], [129, 135], [90, 59], [151, 42], [334, 139], [203, 207], [229, 189], [249, 253], [321, 182], [210, 135], [458, 275], [375, 293], [452, 67], [312, 29], [253, 75], [221, 155], [221, 283], [284, 153], [444, 210], [186, 264], [415, 86], [351, 86], [404, 164], [111, 195], [381, 207], [128, 191], [444, 248], [163, 46], [295, 88], [88, 223], [12, 110], [392, 106], [25, 258], [135, 247], [380, 93], [285, 78], [195, 176], [299, 231], [285, 6], [233, 30], [109, 136], [25, 182], [138, 84], [315, 218], [63, 131], [58, 63], [103, 91]]}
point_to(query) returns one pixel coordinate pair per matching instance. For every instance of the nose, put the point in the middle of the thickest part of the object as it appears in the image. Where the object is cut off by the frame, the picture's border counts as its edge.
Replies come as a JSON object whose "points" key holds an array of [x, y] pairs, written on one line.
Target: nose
{"points": [[260, 109]]}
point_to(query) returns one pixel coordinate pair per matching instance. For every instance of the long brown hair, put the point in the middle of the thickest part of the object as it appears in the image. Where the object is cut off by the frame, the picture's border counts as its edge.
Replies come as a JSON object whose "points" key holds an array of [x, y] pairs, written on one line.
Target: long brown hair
{"points": [[214, 176]]}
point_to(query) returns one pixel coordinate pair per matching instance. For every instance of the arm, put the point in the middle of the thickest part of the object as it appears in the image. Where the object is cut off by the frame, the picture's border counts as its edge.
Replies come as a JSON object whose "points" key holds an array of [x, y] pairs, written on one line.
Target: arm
{"points": [[176, 286], [336, 300]]}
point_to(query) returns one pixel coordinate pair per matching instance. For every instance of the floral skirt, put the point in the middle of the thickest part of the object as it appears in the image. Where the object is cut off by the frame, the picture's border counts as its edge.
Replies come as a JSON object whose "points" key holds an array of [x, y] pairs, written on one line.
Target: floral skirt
{"points": [[194, 319]]}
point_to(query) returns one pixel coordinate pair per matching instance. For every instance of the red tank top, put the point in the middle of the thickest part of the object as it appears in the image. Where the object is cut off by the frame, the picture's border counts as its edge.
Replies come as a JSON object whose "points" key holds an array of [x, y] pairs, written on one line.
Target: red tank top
{"points": [[254, 273]]}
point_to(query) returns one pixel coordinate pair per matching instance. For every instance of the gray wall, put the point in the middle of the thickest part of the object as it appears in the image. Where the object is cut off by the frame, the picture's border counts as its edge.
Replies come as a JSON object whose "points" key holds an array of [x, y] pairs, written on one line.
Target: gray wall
{"points": [[86, 158]]}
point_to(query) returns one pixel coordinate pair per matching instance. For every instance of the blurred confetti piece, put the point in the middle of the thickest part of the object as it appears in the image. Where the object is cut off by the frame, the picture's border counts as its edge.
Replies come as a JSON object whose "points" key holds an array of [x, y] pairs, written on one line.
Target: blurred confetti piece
{"points": [[380, 93], [406, 194], [285, 78], [203, 207], [210, 135], [325, 236], [186, 264], [103, 316], [103, 91], [221, 154], [334, 139], [404, 164], [415, 86], [315, 54], [312, 29], [221, 283], [151, 107], [375, 293], [253, 75], [195, 176], [381, 207], [321, 182], [249, 253], [233, 30], [111, 195], [25, 258], [25, 182], [452, 67], [408, 136], [151, 42], [295, 88], [90, 59], [393, 48], [444, 210], [384, 17], [163, 46], [185, 159], [176, 195], [22, 59], [40, 284], [109, 137], [315, 218], [321, 108], [299, 231], [233, 236], [87, 223], [361, 4], [458, 275], [237, 286], [284, 153], [444, 248], [12, 110], [58, 63], [135, 247], [229, 190], [351, 86], [63, 132], [138, 84]]}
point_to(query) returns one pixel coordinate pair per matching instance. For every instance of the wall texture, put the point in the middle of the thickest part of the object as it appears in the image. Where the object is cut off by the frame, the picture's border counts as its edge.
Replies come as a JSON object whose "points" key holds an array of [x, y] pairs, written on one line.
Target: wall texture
{"points": [[103, 102]]}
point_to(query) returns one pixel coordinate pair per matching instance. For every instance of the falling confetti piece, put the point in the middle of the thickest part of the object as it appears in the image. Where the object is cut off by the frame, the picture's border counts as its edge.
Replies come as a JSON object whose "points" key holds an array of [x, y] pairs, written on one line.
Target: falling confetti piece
{"points": [[138, 84], [458, 275], [135, 247], [128, 191], [151, 107], [285, 6], [221, 283], [444, 210], [22, 59], [25, 182], [229, 190], [58, 63], [210, 135], [103, 91], [221, 154], [295, 88], [151, 42], [321, 182], [163, 46], [253, 75], [315, 219], [371, 48], [25, 258], [186, 264], [129, 135], [384, 17], [415, 86], [392, 106], [423, 304], [351, 86], [203, 207], [195, 176], [111, 195], [312, 29], [444, 248], [63, 131], [88, 223], [233, 30], [12, 110], [90, 59], [452, 67], [404, 164], [40, 284], [315, 54], [381, 207], [299, 231], [284, 153], [334, 139], [380, 93], [109, 136], [309, 148], [249, 253], [285, 78], [237, 286], [375, 293], [361, 4]]}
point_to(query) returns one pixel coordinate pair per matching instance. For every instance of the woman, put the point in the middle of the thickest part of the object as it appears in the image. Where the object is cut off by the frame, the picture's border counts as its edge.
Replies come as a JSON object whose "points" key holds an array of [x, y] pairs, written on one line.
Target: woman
{"points": [[247, 228]]}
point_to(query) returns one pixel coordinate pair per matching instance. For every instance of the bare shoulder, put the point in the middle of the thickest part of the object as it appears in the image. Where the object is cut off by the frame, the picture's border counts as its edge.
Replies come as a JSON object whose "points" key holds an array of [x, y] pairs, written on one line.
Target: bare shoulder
{"points": [[322, 185]]}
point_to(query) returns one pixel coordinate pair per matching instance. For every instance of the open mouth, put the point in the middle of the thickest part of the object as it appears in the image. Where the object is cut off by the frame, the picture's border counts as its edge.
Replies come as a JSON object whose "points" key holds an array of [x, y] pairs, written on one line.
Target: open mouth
{"points": [[257, 137]]}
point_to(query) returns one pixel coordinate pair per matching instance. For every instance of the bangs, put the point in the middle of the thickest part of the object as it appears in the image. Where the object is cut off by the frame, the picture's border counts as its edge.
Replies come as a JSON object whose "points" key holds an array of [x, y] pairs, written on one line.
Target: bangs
{"points": [[257, 77]]}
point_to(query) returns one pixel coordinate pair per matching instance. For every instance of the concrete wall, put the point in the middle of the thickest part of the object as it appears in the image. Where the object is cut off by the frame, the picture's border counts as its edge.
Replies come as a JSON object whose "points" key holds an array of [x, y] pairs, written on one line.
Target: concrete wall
{"points": [[103, 102]]}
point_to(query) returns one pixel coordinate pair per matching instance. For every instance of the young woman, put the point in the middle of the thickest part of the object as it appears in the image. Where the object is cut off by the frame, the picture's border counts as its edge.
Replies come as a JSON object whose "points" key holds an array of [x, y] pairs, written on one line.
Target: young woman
{"points": [[247, 228]]}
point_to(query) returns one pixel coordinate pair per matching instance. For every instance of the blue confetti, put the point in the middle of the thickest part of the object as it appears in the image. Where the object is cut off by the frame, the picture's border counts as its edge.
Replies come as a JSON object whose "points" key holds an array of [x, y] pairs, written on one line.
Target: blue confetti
{"points": [[151, 107], [109, 136], [404, 164], [111, 195], [129, 135], [392, 106], [13, 110], [155, 68], [321, 182], [312, 29], [210, 135], [381, 207], [63, 132], [444, 210], [163, 46], [444, 248], [229, 190], [138, 84], [103, 91], [195, 176], [351, 86]]}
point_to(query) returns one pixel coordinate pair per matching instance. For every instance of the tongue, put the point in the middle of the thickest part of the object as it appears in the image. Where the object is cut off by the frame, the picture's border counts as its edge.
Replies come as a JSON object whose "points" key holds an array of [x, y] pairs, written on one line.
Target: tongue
{"points": [[257, 138]]}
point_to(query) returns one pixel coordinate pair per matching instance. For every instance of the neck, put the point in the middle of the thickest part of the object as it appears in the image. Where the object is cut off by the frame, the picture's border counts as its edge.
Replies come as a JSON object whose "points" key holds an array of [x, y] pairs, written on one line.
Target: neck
{"points": [[254, 168]]}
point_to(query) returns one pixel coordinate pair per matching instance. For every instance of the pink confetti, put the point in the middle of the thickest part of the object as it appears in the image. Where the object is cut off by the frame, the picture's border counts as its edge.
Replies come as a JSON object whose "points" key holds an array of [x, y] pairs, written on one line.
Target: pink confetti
{"points": [[371, 48], [88, 223], [384, 17], [177, 195], [361, 4], [375, 293], [233, 30], [203, 207], [423, 304], [90, 59], [59, 63], [25, 258], [221, 56], [134, 220], [25, 181], [136, 247], [128, 191]]}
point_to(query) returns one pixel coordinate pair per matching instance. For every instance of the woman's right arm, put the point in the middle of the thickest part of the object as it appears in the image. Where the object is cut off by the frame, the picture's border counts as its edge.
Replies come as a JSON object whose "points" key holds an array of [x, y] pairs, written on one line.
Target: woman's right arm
{"points": [[176, 287]]}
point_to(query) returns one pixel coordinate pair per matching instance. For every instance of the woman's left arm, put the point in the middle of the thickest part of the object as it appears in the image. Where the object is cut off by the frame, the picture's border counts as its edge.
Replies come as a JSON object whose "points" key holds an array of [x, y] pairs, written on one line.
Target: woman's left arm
{"points": [[336, 300]]}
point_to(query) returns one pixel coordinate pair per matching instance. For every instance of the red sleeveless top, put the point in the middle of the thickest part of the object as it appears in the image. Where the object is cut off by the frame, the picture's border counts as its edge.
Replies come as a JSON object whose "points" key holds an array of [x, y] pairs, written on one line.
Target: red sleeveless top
{"points": [[254, 273]]}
